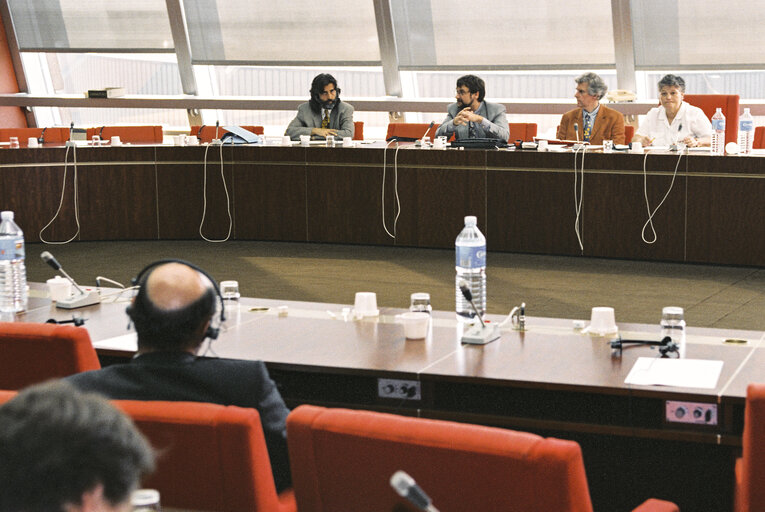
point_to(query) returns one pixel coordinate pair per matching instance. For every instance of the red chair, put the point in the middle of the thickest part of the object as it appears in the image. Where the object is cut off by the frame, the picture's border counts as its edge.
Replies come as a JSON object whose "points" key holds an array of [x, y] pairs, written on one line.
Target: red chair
{"points": [[343, 460], [52, 135], [133, 134], [210, 457], [33, 353], [729, 104], [411, 130], [629, 132], [759, 138], [358, 130], [523, 131], [5, 396], [750, 468], [206, 133]]}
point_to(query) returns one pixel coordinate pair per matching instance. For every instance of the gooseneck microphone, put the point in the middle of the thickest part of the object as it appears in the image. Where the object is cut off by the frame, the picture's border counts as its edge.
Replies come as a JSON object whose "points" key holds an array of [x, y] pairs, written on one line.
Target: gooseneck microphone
{"points": [[465, 289], [426, 131], [82, 298], [576, 131], [53, 262], [478, 334], [408, 489]]}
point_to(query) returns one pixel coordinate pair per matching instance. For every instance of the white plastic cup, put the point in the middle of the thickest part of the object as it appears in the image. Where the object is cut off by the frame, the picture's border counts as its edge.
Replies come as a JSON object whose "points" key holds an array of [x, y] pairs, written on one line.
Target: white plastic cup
{"points": [[179, 140], [192, 140], [59, 288], [229, 290], [637, 147], [32, 142], [365, 304], [603, 321], [14, 142], [286, 141], [304, 140], [115, 141], [415, 324], [347, 142], [542, 145]]}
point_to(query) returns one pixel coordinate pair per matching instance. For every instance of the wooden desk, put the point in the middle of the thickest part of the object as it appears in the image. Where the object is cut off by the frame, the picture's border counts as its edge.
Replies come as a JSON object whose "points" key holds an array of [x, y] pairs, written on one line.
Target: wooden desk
{"points": [[524, 200], [550, 380]]}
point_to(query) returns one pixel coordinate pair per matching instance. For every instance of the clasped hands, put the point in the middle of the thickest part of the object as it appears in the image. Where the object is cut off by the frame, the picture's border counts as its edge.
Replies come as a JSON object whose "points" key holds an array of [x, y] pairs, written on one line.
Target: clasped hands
{"points": [[465, 115], [323, 132]]}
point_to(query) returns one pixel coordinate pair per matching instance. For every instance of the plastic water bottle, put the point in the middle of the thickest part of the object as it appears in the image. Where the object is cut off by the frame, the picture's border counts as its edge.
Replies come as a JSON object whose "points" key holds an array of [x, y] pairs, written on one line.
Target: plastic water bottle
{"points": [[673, 325], [718, 133], [471, 266], [745, 133], [13, 274]]}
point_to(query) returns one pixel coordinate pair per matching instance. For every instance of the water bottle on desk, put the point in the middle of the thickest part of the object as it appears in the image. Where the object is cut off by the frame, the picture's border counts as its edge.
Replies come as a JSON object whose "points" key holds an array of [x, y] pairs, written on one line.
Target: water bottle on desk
{"points": [[745, 133], [13, 274], [673, 325], [471, 266], [718, 133]]}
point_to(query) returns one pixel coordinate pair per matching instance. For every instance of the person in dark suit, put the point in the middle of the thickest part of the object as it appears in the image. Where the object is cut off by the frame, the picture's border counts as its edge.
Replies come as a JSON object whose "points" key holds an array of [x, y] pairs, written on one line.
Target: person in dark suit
{"points": [[471, 117], [324, 114], [173, 313], [62, 450], [590, 121]]}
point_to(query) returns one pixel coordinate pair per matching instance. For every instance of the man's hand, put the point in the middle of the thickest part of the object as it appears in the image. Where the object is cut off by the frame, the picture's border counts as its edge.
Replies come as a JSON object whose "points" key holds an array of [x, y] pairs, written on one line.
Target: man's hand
{"points": [[323, 132], [466, 115]]}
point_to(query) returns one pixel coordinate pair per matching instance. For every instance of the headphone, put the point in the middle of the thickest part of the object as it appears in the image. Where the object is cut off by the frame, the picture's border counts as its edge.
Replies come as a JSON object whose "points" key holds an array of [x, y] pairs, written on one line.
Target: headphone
{"points": [[211, 332]]}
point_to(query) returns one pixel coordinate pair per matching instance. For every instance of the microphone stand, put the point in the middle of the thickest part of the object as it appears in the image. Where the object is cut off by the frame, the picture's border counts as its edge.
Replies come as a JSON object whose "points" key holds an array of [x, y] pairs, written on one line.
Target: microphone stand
{"points": [[480, 333]]}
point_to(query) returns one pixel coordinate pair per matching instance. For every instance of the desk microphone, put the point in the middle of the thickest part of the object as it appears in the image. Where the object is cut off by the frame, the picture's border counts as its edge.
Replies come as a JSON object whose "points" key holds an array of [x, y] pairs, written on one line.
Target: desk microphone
{"points": [[478, 334], [408, 489], [84, 298], [420, 141], [576, 131], [465, 289]]}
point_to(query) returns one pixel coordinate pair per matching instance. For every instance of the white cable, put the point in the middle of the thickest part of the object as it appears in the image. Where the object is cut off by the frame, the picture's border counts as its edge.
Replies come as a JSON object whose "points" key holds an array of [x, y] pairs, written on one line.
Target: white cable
{"points": [[385, 163], [395, 189], [651, 214], [61, 202], [579, 198], [204, 196]]}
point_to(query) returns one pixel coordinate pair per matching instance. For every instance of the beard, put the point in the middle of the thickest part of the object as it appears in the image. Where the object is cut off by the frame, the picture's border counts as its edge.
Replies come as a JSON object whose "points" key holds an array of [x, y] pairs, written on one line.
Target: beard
{"points": [[329, 104]]}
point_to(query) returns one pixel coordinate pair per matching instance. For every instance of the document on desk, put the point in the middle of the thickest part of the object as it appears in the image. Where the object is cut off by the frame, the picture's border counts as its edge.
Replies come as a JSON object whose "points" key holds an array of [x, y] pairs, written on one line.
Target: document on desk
{"points": [[125, 342], [681, 373]]}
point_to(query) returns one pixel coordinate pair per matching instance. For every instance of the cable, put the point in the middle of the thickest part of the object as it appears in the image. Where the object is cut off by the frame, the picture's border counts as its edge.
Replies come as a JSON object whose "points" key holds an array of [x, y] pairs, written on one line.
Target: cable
{"points": [[395, 186], [204, 195], [579, 199], [647, 205], [61, 202]]}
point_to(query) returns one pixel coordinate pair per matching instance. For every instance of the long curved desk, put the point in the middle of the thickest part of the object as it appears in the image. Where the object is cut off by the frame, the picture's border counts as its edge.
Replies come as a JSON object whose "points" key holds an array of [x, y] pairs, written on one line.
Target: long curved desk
{"points": [[524, 200]]}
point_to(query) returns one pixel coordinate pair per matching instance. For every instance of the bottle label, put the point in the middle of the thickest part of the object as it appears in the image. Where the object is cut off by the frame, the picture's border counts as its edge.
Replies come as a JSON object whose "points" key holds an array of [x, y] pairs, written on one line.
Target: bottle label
{"points": [[471, 256], [11, 249], [718, 124], [746, 126]]}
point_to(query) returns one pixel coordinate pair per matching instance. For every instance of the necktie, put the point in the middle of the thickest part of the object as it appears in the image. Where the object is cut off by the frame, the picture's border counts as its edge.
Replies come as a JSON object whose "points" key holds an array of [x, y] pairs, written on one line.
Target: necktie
{"points": [[587, 126], [325, 121], [471, 130]]}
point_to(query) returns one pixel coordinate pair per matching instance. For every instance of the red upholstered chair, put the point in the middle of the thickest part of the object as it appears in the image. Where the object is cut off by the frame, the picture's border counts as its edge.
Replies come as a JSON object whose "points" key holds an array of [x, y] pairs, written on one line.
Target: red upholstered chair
{"points": [[729, 104], [51, 135], [358, 130], [32, 353], [759, 137], [134, 134], [207, 133], [750, 468], [343, 460], [523, 131], [6, 396], [210, 457], [629, 132], [411, 130]]}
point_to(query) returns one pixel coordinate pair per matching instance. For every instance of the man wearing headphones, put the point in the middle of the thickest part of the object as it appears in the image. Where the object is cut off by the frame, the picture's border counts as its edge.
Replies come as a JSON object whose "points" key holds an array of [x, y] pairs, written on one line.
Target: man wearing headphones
{"points": [[173, 313], [324, 114]]}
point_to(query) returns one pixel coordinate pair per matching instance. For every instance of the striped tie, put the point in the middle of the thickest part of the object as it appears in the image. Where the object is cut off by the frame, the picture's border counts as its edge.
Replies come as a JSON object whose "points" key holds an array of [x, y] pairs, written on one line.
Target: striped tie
{"points": [[325, 121]]}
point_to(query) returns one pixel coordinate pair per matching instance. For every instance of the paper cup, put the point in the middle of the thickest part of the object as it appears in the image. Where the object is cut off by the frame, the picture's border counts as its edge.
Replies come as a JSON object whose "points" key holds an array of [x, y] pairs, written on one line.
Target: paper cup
{"points": [[32, 142], [347, 142], [305, 140], [286, 141], [59, 288], [415, 324], [637, 147], [602, 321], [365, 304], [542, 145], [115, 141]]}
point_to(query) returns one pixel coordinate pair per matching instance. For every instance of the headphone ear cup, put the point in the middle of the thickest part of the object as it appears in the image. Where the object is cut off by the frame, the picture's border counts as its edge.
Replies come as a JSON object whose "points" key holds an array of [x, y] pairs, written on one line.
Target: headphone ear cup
{"points": [[212, 332]]}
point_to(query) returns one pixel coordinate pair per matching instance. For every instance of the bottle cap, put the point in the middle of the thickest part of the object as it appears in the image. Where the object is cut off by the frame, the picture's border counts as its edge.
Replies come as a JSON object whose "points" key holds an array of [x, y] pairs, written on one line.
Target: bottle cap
{"points": [[6, 215], [471, 220], [672, 313]]}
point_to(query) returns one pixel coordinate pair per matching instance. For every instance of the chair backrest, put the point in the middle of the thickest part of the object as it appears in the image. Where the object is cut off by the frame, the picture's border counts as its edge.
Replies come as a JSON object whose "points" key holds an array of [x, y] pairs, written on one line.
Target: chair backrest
{"points": [[49, 135], [358, 130], [750, 469], [210, 457], [629, 132], [759, 137], [523, 131], [135, 134], [729, 105], [343, 460], [411, 130], [5, 396], [32, 353], [206, 133]]}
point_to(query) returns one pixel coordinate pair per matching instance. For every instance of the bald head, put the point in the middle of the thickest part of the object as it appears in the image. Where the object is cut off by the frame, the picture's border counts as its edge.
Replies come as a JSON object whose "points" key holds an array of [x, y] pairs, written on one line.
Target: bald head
{"points": [[174, 286]]}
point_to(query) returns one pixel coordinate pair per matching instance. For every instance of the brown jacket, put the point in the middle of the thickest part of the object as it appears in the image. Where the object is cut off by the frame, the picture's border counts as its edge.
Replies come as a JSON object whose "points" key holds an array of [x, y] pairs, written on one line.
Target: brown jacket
{"points": [[608, 125]]}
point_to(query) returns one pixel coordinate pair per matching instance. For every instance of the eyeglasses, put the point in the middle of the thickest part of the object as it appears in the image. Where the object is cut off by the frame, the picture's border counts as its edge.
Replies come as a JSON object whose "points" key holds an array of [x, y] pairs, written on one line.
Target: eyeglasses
{"points": [[462, 92], [327, 93]]}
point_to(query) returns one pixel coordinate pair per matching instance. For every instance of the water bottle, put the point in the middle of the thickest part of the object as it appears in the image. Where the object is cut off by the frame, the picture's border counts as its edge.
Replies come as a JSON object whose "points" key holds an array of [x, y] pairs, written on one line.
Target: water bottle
{"points": [[470, 266], [718, 133], [13, 274], [673, 325], [745, 133]]}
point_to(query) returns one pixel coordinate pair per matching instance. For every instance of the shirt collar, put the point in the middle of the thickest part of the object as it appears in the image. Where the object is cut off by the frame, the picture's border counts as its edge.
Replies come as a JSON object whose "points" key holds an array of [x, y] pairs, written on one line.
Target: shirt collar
{"points": [[593, 113]]}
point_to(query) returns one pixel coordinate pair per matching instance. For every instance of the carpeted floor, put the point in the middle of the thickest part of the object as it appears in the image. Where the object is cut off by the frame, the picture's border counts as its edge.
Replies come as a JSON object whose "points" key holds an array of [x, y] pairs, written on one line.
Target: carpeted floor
{"points": [[567, 287]]}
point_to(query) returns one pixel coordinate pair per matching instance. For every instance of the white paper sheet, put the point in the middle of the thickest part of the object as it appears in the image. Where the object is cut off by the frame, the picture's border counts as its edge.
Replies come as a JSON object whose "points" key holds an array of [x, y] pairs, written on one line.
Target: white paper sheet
{"points": [[124, 342], [683, 373]]}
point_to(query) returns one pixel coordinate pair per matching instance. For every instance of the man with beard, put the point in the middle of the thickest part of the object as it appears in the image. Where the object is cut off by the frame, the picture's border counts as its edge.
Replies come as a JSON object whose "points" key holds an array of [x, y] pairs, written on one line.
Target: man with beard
{"points": [[471, 117], [324, 114]]}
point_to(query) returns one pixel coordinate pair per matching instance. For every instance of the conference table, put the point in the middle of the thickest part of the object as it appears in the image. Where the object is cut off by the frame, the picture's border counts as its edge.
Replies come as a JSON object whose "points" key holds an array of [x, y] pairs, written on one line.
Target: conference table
{"points": [[399, 195], [550, 379]]}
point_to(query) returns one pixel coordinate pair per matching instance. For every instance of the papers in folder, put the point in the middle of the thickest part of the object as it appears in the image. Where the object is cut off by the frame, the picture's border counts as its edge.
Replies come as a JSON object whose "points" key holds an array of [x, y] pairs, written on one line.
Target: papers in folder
{"points": [[681, 373], [127, 342]]}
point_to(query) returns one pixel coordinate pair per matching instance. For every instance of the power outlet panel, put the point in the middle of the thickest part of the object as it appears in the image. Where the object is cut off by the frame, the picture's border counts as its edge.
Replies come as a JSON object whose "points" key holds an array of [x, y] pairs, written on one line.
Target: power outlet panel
{"points": [[695, 413], [399, 389]]}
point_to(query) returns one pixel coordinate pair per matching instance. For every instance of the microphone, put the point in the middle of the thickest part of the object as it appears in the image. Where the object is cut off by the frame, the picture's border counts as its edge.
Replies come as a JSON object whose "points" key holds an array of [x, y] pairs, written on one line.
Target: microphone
{"points": [[426, 131], [465, 289], [576, 131], [85, 298], [408, 489], [478, 334]]}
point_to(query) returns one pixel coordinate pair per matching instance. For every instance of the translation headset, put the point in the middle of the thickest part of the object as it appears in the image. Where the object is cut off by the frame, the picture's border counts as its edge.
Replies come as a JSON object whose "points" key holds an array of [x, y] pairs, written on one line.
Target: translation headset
{"points": [[140, 280]]}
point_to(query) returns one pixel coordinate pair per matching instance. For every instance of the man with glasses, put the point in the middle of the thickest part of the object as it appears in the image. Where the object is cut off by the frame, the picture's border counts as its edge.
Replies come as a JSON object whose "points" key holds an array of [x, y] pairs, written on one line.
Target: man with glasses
{"points": [[324, 114], [471, 117], [590, 121]]}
